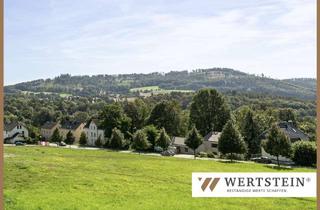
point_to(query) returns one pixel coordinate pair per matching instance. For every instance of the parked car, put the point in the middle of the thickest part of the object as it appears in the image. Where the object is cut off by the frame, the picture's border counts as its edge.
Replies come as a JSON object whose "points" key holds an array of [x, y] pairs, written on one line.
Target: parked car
{"points": [[262, 160], [19, 143], [62, 144], [168, 153]]}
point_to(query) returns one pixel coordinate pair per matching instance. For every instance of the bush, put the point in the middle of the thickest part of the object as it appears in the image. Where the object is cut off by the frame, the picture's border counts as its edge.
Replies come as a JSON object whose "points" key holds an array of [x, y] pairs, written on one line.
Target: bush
{"points": [[152, 134], [304, 153], [211, 155], [233, 156], [140, 142], [236, 156], [203, 154], [30, 140], [83, 139], [98, 142], [117, 139]]}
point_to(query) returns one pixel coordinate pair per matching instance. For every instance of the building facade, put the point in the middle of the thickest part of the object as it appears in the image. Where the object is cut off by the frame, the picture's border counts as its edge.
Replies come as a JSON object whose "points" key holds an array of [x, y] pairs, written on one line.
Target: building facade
{"points": [[75, 127], [93, 131], [15, 131], [48, 128]]}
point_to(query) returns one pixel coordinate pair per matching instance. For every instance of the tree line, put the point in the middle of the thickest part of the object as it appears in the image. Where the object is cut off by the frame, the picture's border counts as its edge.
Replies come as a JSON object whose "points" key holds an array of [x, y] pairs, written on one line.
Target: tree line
{"points": [[139, 126]]}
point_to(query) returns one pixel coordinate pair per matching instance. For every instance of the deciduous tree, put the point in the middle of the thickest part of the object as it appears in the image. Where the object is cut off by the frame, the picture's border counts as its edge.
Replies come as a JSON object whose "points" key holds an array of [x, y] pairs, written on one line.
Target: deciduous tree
{"points": [[117, 139], [138, 112], [114, 117], [167, 114], [152, 134], [209, 111], [140, 142]]}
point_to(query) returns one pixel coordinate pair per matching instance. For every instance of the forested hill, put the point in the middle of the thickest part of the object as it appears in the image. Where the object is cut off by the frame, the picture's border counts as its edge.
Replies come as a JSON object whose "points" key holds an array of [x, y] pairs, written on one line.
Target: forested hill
{"points": [[222, 79], [308, 83]]}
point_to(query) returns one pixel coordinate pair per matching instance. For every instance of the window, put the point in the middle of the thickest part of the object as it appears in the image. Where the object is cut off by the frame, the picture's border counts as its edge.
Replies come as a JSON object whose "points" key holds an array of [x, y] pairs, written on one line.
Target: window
{"points": [[214, 145], [186, 149]]}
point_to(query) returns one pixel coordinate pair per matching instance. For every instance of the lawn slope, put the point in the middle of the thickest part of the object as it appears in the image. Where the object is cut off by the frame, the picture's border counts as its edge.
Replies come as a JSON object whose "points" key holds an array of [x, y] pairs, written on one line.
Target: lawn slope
{"points": [[56, 179]]}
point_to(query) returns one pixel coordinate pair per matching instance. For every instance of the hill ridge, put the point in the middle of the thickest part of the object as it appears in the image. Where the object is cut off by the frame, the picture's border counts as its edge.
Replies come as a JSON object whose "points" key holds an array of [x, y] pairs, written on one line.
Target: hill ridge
{"points": [[223, 79]]}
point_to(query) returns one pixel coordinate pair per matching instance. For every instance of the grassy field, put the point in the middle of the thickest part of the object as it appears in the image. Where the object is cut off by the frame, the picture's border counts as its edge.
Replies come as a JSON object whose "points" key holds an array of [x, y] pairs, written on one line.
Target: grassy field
{"points": [[146, 88], [57, 179], [62, 95], [157, 89]]}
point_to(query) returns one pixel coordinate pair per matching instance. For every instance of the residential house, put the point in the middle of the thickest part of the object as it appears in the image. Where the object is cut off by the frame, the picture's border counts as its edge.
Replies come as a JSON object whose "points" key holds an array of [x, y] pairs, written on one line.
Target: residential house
{"points": [[48, 128], [293, 133], [181, 147], [209, 144], [15, 131], [93, 130], [75, 127]]}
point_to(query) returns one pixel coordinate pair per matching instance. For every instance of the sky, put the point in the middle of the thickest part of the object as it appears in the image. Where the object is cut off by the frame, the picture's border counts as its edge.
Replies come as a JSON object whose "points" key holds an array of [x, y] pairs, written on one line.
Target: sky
{"points": [[46, 38]]}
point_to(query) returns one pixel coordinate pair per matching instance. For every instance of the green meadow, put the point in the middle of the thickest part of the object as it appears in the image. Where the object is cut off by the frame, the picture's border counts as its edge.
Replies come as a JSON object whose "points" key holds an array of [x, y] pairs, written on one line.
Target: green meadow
{"points": [[157, 89], [59, 178], [62, 95], [146, 88]]}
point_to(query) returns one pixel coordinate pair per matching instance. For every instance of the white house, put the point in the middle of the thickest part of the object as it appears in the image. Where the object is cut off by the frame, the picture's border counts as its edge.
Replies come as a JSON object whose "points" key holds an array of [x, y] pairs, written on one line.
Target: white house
{"points": [[14, 131], [93, 131]]}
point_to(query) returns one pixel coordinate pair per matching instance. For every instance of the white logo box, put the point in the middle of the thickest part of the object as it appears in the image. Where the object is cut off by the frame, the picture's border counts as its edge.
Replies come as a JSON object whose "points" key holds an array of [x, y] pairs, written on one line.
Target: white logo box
{"points": [[254, 184]]}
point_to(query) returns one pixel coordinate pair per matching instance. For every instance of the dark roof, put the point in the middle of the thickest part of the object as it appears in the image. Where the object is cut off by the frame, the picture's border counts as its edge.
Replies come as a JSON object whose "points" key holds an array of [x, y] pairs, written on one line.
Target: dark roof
{"points": [[95, 121], [11, 126], [49, 125], [70, 125], [14, 135], [290, 130]]}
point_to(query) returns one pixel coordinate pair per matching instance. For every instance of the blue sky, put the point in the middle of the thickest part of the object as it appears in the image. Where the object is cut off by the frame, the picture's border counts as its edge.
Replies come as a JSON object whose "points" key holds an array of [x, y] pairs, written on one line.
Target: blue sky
{"points": [[44, 38]]}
